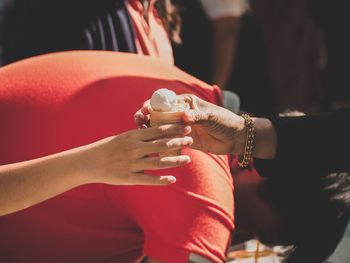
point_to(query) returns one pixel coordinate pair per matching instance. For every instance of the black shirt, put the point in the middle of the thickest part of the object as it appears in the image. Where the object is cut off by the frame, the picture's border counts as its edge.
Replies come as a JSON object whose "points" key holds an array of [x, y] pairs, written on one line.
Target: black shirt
{"points": [[312, 144]]}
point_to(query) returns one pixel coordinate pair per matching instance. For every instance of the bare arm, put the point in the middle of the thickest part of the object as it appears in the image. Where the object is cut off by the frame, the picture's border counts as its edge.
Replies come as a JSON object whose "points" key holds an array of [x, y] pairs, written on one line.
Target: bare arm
{"points": [[224, 45], [117, 160], [27, 183], [265, 139]]}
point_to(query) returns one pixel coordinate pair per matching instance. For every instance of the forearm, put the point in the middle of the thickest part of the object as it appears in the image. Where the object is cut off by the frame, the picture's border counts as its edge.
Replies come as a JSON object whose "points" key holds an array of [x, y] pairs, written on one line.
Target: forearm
{"points": [[225, 34], [116, 160], [265, 145], [27, 183]]}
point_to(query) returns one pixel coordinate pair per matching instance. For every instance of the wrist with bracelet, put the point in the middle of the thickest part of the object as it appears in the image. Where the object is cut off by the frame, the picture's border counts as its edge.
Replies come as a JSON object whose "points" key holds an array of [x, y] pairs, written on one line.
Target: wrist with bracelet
{"points": [[244, 160]]}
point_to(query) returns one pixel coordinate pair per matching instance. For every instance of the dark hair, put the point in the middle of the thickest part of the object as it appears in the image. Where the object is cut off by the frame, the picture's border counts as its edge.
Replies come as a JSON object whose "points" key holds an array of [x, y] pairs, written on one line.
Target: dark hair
{"points": [[314, 212], [169, 13]]}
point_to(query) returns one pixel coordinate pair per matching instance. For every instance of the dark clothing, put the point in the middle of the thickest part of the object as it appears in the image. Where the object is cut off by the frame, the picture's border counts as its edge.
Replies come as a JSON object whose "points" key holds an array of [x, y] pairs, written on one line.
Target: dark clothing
{"points": [[42, 26], [314, 145], [333, 19], [293, 48]]}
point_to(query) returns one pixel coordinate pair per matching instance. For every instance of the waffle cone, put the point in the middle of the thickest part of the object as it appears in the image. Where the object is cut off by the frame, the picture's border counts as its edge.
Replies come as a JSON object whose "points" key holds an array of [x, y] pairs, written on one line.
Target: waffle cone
{"points": [[158, 118]]}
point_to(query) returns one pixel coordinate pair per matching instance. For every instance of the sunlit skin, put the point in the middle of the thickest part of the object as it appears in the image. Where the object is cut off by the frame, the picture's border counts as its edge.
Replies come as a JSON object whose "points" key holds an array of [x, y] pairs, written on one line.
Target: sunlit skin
{"points": [[116, 160], [214, 129], [220, 131]]}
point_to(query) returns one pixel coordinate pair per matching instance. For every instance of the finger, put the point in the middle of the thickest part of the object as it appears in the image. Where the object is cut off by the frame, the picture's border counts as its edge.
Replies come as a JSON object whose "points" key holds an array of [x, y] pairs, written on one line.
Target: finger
{"points": [[145, 109], [170, 130], [142, 115], [194, 116], [191, 101], [141, 118], [145, 179], [164, 145], [145, 125], [155, 163]]}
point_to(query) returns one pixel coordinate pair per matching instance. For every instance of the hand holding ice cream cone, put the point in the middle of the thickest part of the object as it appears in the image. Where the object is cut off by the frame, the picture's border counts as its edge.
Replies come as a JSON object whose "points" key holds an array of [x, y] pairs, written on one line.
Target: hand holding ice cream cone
{"points": [[166, 108], [214, 129]]}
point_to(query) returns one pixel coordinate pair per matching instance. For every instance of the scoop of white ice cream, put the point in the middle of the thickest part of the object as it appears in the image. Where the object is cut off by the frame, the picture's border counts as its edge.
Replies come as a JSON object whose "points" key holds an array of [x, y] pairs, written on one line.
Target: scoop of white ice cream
{"points": [[164, 100]]}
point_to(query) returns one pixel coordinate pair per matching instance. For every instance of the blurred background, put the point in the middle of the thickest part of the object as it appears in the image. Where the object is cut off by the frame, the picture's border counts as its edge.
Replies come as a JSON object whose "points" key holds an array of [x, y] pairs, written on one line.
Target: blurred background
{"points": [[1, 16], [275, 55]]}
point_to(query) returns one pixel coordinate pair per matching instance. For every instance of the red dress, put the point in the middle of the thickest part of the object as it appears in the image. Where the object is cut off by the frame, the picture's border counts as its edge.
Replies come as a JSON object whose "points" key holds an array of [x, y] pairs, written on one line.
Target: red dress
{"points": [[59, 101]]}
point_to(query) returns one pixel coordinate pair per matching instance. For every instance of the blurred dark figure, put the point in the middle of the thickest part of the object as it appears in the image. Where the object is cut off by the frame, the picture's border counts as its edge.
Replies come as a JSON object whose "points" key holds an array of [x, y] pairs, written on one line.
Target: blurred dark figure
{"points": [[193, 55], [291, 54], [225, 19], [293, 48], [333, 19], [2, 3], [33, 27], [245, 65], [250, 77]]}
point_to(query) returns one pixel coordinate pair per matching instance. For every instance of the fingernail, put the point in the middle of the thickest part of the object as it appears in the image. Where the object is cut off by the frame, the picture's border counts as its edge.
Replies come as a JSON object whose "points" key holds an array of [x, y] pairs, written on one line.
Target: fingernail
{"points": [[187, 129], [168, 179], [188, 140], [185, 159]]}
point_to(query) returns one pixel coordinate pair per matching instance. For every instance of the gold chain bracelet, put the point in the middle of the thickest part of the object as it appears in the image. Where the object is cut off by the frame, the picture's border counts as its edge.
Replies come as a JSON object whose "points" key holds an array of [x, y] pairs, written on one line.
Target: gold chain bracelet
{"points": [[244, 160]]}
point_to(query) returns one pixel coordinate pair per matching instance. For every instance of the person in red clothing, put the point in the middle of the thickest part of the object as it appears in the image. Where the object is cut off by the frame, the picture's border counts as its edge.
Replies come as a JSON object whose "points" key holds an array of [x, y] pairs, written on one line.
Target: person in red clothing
{"points": [[60, 101]]}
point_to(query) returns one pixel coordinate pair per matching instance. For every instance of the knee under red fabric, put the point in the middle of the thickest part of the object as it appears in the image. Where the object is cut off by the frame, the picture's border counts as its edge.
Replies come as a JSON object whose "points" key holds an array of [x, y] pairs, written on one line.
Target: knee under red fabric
{"points": [[56, 102]]}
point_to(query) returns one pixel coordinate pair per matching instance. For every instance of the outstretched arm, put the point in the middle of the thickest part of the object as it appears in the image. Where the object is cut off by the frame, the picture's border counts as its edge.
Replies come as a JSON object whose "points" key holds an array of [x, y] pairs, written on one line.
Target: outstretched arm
{"points": [[224, 46], [117, 160]]}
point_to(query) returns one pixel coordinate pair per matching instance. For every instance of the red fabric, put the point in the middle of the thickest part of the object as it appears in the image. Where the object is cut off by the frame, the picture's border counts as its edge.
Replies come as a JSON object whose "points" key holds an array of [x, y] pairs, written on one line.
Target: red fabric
{"points": [[56, 102]]}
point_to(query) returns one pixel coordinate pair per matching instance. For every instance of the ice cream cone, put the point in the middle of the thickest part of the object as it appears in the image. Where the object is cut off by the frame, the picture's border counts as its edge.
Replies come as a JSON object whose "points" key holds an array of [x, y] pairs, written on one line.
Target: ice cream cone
{"points": [[158, 118], [168, 109]]}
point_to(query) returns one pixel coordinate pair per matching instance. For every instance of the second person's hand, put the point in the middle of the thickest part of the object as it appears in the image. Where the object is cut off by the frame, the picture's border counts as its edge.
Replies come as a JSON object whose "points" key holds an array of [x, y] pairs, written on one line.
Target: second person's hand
{"points": [[214, 129]]}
